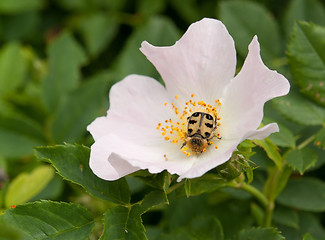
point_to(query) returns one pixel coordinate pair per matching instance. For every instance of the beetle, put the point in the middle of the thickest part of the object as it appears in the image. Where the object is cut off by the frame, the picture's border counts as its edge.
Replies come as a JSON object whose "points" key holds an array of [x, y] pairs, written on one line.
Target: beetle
{"points": [[200, 130]]}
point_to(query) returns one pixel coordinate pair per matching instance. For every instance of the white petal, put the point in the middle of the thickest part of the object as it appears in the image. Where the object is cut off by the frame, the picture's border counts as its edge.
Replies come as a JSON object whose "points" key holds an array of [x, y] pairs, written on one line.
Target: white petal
{"points": [[201, 62], [262, 133], [107, 165], [136, 107], [244, 97], [211, 159], [113, 157]]}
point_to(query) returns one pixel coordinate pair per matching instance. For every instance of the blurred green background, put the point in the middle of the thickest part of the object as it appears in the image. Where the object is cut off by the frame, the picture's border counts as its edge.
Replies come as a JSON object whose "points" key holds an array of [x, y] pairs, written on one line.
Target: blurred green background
{"points": [[58, 59]]}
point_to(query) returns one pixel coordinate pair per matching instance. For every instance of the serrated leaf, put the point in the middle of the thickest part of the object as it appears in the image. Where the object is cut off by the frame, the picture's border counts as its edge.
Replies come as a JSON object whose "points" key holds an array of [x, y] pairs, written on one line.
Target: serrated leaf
{"points": [[72, 163], [18, 6], [271, 150], [123, 223], [50, 220], [79, 109], [260, 233], [260, 22], [153, 199], [97, 31], [299, 109], [65, 58], [306, 10], [26, 185], [306, 57], [13, 67], [158, 31], [301, 160], [304, 193]]}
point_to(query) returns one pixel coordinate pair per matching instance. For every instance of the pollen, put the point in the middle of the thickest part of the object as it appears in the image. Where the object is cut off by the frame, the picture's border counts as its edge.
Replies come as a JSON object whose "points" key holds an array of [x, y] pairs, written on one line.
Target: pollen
{"points": [[175, 129]]}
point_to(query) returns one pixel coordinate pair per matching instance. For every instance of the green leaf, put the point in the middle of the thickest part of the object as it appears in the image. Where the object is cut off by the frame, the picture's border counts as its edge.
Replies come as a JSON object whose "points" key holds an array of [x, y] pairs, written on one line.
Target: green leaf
{"points": [[72, 163], [65, 58], [260, 233], [158, 31], [306, 10], [306, 57], [189, 11], [50, 220], [18, 136], [159, 181], [26, 185], [242, 28], [18, 6], [206, 183], [299, 109], [123, 223], [98, 30], [301, 160], [13, 67], [304, 193], [150, 7], [308, 236], [320, 138], [283, 138], [7, 232], [286, 216], [271, 150], [79, 109], [153, 199], [205, 227], [52, 191]]}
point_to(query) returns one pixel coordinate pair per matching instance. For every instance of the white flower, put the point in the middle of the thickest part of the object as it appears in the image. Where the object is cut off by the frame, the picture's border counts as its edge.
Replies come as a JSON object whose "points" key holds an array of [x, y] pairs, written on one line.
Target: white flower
{"points": [[147, 123]]}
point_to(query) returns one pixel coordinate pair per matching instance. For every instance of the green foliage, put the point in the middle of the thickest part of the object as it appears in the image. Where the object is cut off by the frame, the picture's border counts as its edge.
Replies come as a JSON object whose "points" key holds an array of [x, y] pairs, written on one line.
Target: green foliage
{"points": [[71, 162], [58, 60], [305, 194], [123, 223], [65, 58], [300, 110], [260, 233], [301, 160], [243, 29], [25, 186], [18, 6], [307, 60], [46, 219], [13, 66]]}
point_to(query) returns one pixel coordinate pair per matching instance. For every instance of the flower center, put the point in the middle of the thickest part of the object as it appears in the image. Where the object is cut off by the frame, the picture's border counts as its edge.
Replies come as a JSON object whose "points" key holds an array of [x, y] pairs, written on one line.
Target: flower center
{"points": [[194, 126]]}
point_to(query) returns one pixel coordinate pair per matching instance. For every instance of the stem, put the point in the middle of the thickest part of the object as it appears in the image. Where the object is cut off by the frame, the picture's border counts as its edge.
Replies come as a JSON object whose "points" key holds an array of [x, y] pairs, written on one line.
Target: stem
{"points": [[306, 142], [174, 187], [268, 214], [255, 192]]}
